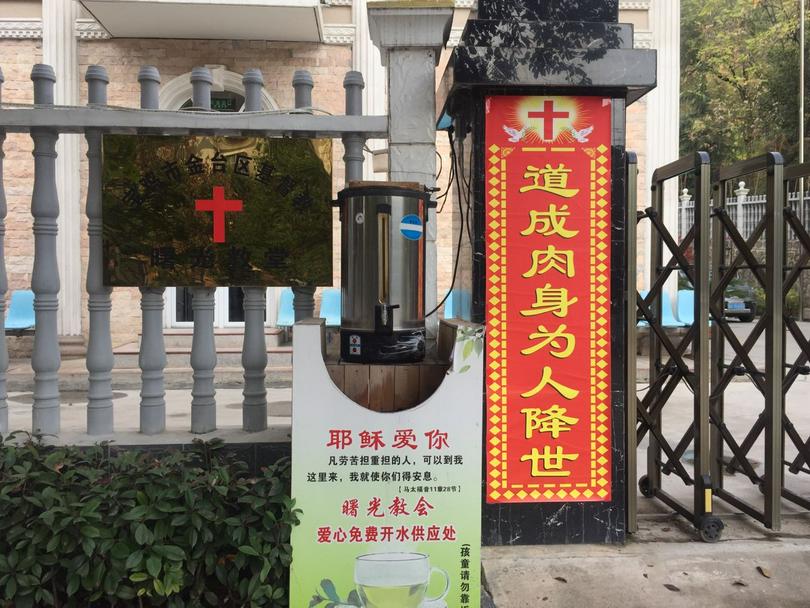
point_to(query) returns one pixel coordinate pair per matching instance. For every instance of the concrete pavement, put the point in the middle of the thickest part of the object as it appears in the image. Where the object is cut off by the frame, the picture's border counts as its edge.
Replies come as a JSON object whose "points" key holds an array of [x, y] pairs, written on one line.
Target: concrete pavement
{"points": [[661, 566]]}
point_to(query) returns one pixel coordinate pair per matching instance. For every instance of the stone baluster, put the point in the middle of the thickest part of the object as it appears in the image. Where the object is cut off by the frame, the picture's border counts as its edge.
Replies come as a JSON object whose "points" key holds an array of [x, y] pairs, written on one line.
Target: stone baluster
{"points": [[45, 359], [253, 82], [203, 347], [254, 346], [687, 213], [99, 345], [152, 354], [3, 289], [740, 195], [304, 295], [353, 144]]}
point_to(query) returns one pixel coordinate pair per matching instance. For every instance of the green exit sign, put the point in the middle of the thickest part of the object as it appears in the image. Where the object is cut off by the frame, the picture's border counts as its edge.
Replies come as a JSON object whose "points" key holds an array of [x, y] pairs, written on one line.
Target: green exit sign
{"points": [[224, 104]]}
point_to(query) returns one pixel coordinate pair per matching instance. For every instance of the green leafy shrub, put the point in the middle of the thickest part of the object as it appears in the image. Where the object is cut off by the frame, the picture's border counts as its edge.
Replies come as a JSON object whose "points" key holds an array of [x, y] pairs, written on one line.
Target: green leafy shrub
{"points": [[101, 527], [790, 303]]}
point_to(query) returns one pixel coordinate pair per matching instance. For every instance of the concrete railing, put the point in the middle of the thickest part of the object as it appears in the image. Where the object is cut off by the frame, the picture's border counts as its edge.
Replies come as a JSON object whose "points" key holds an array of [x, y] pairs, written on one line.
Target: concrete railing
{"points": [[45, 122]]}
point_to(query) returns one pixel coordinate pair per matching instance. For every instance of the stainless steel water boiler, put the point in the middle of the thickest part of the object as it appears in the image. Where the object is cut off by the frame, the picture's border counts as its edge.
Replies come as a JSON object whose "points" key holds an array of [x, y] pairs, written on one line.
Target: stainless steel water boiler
{"points": [[383, 227]]}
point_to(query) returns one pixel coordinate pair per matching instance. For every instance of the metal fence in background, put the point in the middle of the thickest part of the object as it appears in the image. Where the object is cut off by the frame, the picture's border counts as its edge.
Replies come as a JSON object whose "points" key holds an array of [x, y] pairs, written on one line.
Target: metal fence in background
{"points": [[744, 210]]}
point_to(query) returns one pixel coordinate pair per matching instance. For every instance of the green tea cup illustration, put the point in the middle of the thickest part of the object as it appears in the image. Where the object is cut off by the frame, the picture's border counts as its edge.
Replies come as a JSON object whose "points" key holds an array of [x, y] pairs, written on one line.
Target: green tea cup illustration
{"points": [[396, 580]]}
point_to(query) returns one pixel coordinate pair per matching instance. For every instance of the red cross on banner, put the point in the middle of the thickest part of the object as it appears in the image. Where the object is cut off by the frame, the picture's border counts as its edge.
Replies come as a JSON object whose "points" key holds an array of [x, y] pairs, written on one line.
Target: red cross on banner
{"points": [[548, 115], [218, 205]]}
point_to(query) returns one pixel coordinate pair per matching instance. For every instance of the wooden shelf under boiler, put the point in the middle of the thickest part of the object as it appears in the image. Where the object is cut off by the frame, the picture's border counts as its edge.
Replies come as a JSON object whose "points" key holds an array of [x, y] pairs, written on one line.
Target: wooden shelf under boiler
{"points": [[395, 387]]}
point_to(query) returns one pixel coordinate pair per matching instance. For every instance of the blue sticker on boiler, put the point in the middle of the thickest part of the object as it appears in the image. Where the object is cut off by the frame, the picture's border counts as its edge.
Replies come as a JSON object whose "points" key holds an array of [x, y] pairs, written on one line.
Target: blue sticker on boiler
{"points": [[411, 227]]}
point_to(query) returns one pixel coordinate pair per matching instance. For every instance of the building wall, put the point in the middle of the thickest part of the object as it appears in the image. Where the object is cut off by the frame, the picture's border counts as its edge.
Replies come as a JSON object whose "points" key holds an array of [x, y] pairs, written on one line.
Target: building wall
{"points": [[18, 56], [637, 142], [278, 61]]}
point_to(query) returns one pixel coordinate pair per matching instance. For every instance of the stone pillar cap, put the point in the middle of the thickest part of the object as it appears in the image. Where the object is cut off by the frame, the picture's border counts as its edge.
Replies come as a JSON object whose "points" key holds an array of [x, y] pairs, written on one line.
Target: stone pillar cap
{"points": [[302, 77], [43, 71], [252, 76], [354, 78], [411, 4], [148, 72], [96, 72], [200, 74], [400, 24]]}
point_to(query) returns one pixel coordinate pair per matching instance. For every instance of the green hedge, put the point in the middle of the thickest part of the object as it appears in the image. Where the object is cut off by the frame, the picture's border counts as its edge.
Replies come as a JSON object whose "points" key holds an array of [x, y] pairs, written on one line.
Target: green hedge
{"points": [[101, 527]]}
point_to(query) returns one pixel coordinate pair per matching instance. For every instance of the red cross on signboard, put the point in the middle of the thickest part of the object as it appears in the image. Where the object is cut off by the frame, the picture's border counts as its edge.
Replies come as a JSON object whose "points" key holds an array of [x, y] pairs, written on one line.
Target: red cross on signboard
{"points": [[548, 115], [219, 205]]}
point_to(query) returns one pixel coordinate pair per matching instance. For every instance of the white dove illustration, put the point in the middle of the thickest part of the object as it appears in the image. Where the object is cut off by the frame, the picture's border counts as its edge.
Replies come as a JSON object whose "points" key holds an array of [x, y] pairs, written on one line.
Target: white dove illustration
{"points": [[581, 135], [514, 135]]}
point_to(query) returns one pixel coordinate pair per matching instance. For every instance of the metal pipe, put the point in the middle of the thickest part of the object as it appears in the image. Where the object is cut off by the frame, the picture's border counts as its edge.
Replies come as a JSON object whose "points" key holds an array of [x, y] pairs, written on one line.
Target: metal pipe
{"points": [[353, 143], [774, 361], [802, 211], [702, 442], [631, 399]]}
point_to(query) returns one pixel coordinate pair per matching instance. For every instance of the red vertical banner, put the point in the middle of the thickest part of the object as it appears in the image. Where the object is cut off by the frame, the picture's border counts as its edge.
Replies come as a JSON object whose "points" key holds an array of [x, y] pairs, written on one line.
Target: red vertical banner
{"points": [[547, 162]]}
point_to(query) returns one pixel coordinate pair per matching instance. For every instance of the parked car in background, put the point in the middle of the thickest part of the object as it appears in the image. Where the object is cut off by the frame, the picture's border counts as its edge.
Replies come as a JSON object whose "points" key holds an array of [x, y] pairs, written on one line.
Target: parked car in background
{"points": [[740, 302]]}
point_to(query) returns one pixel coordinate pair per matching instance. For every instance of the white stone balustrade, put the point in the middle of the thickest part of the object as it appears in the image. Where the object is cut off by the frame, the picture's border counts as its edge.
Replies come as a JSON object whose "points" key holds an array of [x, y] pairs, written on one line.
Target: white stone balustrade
{"points": [[45, 122]]}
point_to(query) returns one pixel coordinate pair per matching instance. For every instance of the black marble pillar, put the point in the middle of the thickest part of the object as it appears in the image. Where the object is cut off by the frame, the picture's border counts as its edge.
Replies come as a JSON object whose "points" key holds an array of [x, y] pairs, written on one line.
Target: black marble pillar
{"points": [[549, 10], [552, 47]]}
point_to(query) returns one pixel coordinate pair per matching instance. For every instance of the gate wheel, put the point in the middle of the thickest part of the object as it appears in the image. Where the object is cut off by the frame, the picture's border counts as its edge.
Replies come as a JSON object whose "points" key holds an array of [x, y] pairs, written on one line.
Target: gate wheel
{"points": [[645, 487], [710, 528]]}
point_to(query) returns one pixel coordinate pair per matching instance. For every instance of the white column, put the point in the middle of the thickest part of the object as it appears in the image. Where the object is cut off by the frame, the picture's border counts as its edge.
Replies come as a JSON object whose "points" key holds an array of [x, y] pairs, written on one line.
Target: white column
{"points": [[411, 40], [663, 114], [59, 49]]}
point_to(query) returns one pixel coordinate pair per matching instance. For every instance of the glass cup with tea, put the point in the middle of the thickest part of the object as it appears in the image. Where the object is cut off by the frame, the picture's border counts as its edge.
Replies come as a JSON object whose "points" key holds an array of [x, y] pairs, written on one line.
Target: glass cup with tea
{"points": [[396, 580]]}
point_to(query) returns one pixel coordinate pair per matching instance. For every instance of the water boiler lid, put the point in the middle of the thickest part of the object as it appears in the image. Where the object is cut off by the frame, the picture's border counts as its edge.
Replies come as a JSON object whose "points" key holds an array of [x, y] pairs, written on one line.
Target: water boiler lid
{"points": [[405, 189]]}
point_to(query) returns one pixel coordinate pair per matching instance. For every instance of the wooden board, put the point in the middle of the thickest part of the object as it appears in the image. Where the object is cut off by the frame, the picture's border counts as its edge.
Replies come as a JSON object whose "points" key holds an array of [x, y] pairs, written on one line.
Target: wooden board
{"points": [[406, 386], [356, 383], [387, 388], [338, 375], [381, 388], [430, 377]]}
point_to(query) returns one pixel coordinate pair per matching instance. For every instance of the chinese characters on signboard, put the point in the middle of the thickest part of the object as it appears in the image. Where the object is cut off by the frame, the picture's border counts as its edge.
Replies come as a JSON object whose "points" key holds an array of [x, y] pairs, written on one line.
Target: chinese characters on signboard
{"points": [[548, 298], [216, 211], [391, 502]]}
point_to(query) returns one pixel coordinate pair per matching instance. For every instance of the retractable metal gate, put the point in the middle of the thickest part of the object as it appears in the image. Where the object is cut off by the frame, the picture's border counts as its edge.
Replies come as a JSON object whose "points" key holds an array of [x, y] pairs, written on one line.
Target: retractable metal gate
{"points": [[775, 254], [767, 270], [668, 364], [796, 231]]}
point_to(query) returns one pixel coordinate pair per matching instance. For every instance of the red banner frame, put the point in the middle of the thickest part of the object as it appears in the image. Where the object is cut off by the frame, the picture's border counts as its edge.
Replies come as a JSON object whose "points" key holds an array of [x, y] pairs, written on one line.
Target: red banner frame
{"points": [[548, 178]]}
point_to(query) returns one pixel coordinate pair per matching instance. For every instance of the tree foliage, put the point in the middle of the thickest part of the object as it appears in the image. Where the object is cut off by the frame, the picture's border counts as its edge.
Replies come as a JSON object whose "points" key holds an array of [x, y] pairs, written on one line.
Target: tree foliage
{"points": [[740, 78]]}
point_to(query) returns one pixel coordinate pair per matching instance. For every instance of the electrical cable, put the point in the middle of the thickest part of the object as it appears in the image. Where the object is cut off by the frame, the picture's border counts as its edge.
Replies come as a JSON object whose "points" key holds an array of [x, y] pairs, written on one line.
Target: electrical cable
{"points": [[454, 176], [468, 189], [443, 197]]}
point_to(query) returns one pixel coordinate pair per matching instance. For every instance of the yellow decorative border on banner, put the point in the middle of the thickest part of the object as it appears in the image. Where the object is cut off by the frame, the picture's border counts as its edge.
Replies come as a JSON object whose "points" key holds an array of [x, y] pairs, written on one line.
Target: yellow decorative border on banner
{"points": [[496, 329], [498, 486]]}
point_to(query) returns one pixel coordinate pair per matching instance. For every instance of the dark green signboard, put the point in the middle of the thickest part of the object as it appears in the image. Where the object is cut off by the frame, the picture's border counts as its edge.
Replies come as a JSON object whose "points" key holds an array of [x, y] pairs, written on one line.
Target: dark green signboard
{"points": [[216, 211], [223, 104]]}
